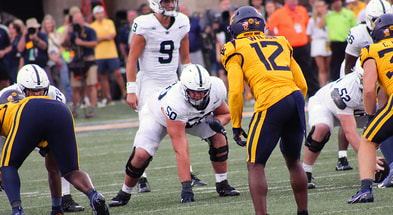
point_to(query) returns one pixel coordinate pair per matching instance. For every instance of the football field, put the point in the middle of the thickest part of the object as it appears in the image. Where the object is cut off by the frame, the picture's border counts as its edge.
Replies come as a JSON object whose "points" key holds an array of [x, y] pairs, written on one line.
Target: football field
{"points": [[105, 143]]}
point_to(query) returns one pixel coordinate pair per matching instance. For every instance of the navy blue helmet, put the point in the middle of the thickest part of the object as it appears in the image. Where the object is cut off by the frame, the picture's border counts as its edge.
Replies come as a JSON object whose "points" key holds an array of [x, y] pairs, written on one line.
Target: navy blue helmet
{"points": [[382, 28], [246, 19]]}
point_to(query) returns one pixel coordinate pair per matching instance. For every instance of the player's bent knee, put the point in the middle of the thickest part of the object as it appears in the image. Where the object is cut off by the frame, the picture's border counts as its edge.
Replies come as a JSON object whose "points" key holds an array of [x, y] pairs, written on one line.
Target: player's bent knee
{"points": [[135, 172], [316, 146], [218, 154]]}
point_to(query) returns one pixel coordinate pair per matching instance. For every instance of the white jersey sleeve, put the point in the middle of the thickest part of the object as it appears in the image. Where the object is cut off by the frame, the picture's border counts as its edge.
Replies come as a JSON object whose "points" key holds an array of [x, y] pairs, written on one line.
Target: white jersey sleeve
{"points": [[175, 106], [12, 87], [56, 94], [350, 92], [358, 38], [160, 57]]}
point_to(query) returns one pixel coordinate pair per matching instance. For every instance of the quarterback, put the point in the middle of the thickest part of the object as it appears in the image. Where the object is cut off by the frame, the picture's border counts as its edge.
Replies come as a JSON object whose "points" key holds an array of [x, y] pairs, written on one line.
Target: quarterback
{"points": [[266, 64], [195, 105], [159, 41]]}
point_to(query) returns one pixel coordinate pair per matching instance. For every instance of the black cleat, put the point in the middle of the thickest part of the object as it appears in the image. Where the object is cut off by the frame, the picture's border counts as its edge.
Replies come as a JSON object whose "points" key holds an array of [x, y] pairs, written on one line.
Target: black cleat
{"points": [[98, 204], [343, 165], [69, 205], [120, 199], [224, 189], [196, 181], [360, 197], [143, 185], [310, 185]]}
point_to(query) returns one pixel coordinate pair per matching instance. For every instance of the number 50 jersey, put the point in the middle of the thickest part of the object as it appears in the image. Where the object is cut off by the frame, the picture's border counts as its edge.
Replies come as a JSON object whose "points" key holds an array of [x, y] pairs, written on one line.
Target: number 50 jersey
{"points": [[160, 57], [266, 64]]}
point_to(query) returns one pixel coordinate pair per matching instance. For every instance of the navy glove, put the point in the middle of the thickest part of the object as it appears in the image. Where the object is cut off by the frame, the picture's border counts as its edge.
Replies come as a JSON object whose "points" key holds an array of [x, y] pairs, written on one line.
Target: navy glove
{"points": [[237, 132], [216, 126], [186, 194]]}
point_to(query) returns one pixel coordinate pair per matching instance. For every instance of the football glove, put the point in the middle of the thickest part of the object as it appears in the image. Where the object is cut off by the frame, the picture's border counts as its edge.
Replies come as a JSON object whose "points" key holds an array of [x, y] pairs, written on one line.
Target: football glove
{"points": [[187, 196], [216, 126], [237, 132]]}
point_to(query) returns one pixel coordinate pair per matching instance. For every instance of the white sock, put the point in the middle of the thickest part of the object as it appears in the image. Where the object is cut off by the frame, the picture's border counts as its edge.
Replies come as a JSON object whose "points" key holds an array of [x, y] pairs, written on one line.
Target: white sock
{"points": [[221, 177], [127, 189], [65, 186], [342, 153], [144, 175], [190, 168], [307, 168]]}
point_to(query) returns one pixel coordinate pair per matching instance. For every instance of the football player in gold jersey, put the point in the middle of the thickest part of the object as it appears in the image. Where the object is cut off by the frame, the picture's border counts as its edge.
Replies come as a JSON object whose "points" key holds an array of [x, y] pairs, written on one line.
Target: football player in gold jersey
{"points": [[266, 64], [25, 126], [377, 62]]}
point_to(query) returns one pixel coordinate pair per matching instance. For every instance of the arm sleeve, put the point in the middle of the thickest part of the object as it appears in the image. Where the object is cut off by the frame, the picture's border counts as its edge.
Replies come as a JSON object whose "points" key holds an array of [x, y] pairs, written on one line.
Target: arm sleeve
{"points": [[236, 89]]}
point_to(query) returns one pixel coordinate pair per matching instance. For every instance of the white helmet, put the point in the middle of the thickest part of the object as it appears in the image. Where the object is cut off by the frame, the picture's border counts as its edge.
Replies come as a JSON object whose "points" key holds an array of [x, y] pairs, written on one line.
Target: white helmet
{"points": [[196, 78], [32, 77], [374, 9], [156, 6]]}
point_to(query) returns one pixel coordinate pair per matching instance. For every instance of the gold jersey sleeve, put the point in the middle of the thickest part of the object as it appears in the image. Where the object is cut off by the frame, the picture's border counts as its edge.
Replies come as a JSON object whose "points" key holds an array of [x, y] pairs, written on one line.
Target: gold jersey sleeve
{"points": [[264, 63], [382, 53]]}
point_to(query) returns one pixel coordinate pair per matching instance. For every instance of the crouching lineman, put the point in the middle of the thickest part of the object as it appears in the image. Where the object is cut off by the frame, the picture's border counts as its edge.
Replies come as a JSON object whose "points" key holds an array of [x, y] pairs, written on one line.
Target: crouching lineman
{"points": [[194, 105], [266, 64], [32, 80], [25, 127], [336, 101], [375, 60]]}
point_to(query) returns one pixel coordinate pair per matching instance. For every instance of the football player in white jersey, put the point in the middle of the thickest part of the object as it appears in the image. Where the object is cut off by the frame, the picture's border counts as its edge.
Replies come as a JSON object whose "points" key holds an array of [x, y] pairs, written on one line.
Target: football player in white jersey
{"points": [[158, 40], [32, 80], [195, 105], [345, 100], [358, 37]]}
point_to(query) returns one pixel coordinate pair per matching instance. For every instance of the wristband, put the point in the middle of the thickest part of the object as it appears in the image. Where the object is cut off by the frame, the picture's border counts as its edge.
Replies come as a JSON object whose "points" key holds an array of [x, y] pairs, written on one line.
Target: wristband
{"points": [[182, 66], [131, 87]]}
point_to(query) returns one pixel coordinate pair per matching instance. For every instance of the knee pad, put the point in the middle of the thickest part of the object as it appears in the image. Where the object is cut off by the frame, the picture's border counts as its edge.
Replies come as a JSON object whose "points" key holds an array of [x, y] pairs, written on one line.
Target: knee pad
{"points": [[132, 171], [313, 145], [213, 152]]}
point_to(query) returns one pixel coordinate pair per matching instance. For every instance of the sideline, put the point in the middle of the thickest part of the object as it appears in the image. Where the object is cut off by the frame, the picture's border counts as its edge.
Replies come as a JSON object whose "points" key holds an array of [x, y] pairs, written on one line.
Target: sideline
{"points": [[118, 124]]}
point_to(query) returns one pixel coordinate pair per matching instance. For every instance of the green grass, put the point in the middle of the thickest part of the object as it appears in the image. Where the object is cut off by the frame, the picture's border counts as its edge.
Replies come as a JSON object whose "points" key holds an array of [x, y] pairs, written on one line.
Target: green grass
{"points": [[103, 155]]}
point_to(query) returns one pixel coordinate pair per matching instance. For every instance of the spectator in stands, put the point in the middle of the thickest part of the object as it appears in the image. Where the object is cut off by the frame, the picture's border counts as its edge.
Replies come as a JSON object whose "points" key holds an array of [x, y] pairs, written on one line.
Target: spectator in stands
{"points": [[194, 36], [65, 54], [270, 7], [54, 50], [258, 4], [5, 48], [106, 54], [83, 47], [34, 45], [13, 58], [339, 21], [356, 6], [124, 34], [144, 9], [291, 21], [320, 48]]}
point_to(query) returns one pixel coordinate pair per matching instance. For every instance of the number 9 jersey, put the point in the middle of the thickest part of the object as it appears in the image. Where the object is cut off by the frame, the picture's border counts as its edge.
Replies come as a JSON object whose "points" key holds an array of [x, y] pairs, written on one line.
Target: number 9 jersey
{"points": [[160, 57], [266, 64]]}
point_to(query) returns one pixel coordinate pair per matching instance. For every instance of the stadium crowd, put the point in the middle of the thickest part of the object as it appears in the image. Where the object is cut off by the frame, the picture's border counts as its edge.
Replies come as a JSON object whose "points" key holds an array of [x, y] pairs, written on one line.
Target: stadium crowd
{"points": [[325, 44]]}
